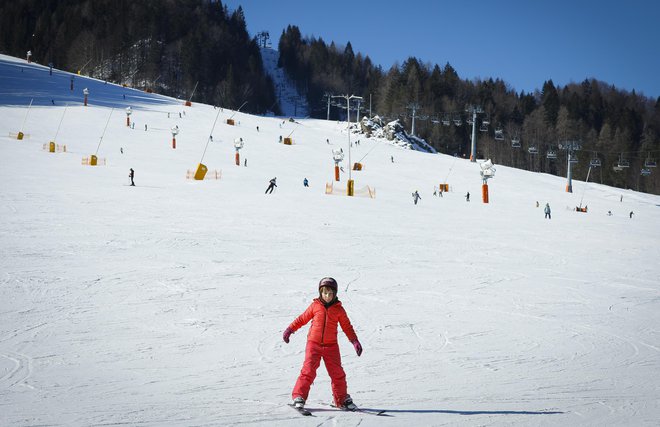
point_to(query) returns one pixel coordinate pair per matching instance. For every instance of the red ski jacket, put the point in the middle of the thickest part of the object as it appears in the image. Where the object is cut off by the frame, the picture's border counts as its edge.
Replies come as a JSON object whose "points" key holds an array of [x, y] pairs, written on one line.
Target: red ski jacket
{"points": [[324, 322]]}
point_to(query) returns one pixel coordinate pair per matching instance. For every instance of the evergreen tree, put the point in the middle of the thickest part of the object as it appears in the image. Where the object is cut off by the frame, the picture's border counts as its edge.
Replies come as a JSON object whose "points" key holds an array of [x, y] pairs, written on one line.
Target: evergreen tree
{"points": [[550, 102]]}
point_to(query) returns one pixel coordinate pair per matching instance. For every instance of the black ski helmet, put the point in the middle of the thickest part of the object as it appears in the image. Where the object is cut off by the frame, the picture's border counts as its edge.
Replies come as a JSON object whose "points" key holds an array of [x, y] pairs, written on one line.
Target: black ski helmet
{"points": [[329, 282]]}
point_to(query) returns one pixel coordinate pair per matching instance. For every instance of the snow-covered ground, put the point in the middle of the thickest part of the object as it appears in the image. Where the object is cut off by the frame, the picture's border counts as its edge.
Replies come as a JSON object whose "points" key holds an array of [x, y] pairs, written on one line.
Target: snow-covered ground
{"points": [[164, 303], [292, 103]]}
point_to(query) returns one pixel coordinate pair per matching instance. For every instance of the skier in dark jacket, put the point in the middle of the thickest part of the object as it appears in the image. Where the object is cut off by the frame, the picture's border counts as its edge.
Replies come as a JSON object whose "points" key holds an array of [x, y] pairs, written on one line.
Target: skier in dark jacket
{"points": [[416, 196], [271, 186], [131, 175]]}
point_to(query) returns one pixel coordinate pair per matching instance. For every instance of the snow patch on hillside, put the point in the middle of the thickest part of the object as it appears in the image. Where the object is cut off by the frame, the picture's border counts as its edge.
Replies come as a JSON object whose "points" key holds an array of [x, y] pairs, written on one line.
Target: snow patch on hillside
{"points": [[394, 133], [292, 103]]}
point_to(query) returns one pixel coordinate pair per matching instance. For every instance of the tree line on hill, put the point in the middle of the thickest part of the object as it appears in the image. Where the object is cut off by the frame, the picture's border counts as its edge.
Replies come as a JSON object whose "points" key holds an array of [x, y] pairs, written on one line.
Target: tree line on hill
{"points": [[175, 46], [167, 46], [612, 126]]}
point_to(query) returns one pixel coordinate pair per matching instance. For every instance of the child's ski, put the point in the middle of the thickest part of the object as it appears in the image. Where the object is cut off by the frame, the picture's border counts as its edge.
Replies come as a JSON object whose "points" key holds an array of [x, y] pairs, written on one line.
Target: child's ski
{"points": [[380, 412], [301, 411]]}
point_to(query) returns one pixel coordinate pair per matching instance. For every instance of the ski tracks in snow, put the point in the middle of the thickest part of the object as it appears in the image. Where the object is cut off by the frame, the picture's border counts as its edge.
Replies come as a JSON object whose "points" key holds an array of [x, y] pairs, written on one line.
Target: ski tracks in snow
{"points": [[19, 373]]}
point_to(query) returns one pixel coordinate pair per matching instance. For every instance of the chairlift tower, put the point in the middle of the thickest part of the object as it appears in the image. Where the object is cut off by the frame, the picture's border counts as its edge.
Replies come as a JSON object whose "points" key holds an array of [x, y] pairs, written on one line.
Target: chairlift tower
{"points": [[414, 107], [474, 110], [571, 147], [328, 96], [348, 131]]}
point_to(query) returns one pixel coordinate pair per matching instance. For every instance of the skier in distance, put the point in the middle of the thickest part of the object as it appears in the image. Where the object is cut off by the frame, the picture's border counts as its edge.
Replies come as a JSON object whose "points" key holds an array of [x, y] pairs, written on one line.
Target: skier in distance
{"points": [[271, 185], [416, 196]]}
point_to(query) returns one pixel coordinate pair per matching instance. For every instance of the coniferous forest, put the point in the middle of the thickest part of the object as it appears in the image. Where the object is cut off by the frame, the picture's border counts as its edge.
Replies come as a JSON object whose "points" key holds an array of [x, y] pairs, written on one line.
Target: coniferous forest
{"points": [[171, 47]]}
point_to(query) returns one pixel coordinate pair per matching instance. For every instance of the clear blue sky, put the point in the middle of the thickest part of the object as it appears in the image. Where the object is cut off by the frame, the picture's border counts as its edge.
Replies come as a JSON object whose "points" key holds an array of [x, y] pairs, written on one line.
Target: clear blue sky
{"points": [[523, 42]]}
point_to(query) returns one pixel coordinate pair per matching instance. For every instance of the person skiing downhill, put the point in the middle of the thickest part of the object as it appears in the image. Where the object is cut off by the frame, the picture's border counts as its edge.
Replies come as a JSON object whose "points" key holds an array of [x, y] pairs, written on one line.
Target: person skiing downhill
{"points": [[271, 186], [416, 196], [325, 312], [547, 211], [131, 175]]}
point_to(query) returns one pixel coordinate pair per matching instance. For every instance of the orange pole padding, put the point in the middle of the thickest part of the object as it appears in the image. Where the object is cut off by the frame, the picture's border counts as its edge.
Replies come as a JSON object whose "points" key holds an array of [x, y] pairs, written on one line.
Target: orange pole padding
{"points": [[173, 142], [238, 159], [128, 121], [85, 100], [336, 172], [484, 193]]}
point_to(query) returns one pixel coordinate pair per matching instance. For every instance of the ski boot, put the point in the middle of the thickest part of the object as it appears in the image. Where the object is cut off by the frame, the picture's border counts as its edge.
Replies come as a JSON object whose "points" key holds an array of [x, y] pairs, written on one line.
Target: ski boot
{"points": [[298, 402], [348, 404]]}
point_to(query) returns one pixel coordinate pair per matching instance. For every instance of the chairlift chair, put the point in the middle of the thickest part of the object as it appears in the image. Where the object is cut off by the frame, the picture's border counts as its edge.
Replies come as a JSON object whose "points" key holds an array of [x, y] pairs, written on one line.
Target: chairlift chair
{"points": [[595, 162], [483, 127], [533, 150], [458, 121], [499, 135], [551, 154], [486, 121], [623, 163], [574, 158], [646, 172], [445, 120], [515, 142], [650, 163]]}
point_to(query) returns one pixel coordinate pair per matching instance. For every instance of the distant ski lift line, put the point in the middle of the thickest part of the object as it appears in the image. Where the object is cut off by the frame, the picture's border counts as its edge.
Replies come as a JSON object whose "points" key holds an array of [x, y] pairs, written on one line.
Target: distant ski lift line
{"points": [[623, 163], [649, 162]]}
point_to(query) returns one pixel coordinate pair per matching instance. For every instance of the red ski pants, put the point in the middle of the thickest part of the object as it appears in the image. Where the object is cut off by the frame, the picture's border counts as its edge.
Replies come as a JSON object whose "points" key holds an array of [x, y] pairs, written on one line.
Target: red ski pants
{"points": [[314, 352]]}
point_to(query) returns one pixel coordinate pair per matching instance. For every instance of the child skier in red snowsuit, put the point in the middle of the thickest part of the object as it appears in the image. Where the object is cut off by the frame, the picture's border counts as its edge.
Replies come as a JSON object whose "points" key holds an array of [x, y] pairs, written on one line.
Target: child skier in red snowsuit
{"points": [[325, 312]]}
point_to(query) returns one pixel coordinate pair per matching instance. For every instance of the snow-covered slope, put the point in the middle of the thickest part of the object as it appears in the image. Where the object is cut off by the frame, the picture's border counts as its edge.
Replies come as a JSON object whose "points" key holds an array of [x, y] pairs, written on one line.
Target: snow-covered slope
{"points": [[164, 303], [292, 103]]}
